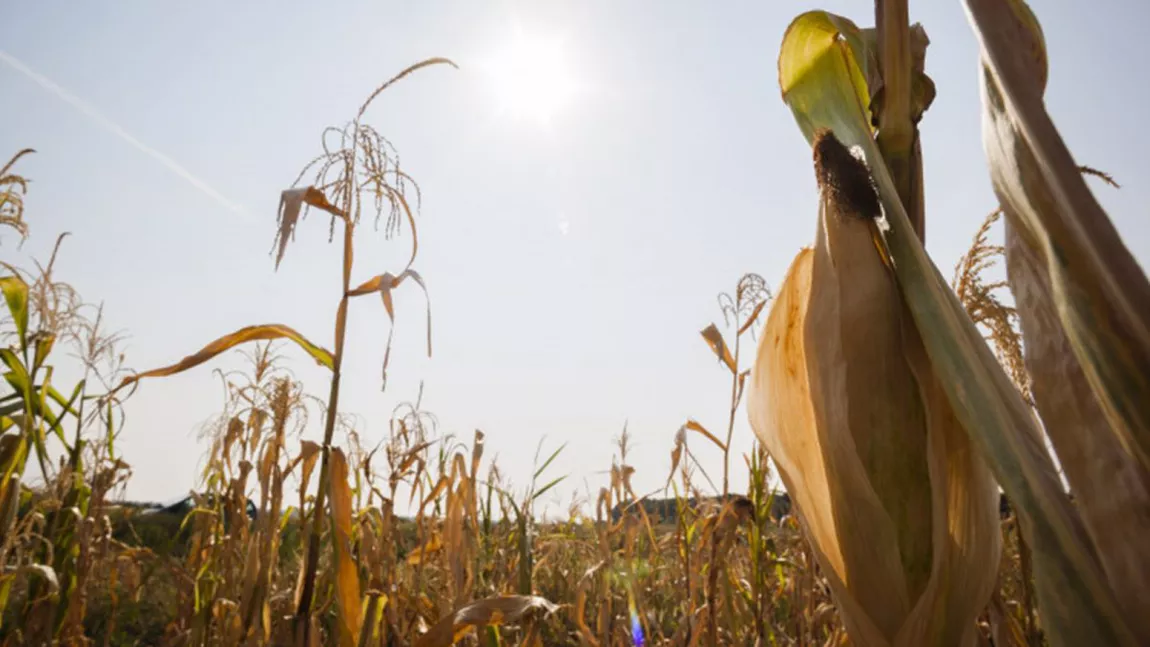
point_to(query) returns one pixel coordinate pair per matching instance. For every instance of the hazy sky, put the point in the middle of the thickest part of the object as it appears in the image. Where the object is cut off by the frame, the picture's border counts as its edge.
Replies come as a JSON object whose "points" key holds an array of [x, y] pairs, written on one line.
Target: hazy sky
{"points": [[571, 265]]}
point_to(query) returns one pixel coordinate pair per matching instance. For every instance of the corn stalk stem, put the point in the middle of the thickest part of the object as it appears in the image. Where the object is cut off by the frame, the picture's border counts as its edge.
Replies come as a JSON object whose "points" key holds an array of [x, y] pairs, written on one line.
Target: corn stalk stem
{"points": [[713, 573], [307, 591], [731, 418], [897, 134]]}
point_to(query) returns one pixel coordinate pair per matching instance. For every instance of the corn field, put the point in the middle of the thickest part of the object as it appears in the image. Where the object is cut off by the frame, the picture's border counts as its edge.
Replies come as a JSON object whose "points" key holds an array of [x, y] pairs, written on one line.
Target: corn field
{"points": [[962, 462]]}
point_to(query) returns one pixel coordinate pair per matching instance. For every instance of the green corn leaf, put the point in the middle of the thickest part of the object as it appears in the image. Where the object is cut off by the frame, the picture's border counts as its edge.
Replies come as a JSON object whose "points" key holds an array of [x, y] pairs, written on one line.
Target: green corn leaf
{"points": [[57, 424], [19, 371], [825, 87], [543, 490], [67, 404], [44, 344], [16, 295], [110, 430], [32, 398], [548, 462]]}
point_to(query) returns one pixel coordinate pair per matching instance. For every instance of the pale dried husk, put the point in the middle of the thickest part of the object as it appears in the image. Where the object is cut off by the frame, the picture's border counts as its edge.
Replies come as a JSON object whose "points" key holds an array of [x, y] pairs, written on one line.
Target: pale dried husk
{"points": [[900, 509]]}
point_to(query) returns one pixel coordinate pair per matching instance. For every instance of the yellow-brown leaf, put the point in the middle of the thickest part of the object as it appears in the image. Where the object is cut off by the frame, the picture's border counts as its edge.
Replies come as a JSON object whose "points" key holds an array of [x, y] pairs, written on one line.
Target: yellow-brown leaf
{"points": [[241, 336], [347, 593], [490, 611]]}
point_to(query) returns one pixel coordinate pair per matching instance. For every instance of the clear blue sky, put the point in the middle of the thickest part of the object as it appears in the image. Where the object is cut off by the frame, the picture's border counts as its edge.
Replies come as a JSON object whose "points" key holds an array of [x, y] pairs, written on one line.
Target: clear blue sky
{"points": [[674, 170]]}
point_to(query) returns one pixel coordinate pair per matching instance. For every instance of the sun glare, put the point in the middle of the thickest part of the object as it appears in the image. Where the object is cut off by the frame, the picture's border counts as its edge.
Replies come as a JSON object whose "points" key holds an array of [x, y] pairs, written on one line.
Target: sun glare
{"points": [[531, 78]]}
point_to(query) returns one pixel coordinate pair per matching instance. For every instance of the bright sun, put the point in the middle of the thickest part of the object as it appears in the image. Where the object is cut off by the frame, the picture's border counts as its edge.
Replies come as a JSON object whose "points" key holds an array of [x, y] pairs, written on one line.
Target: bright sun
{"points": [[531, 78]]}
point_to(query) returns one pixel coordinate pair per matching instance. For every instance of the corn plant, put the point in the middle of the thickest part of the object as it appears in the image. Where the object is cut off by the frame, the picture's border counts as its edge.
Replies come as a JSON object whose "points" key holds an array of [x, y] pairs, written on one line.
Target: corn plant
{"points": [[357, 171], [52, 527], [743, 310]]}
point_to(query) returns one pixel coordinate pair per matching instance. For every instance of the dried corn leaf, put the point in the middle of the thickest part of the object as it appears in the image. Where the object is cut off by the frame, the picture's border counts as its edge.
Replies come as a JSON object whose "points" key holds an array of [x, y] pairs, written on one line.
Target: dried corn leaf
{"points": [[436, 492], [308, 455], [490, 611], [1083, 304], [243, 335], [701, 430], [718, 345], [1101, 294], [384, 284], [291, 203], [347, 592], [421, 553], [1109, 485]]}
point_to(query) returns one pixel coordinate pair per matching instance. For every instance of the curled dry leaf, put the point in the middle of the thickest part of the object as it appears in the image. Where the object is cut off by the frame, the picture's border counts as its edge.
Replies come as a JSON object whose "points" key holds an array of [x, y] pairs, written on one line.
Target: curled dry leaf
{"points": [[490, 611], [718, 346], [290, 207], [251, 333], [700, 429], [384, 284], [421, 553]]}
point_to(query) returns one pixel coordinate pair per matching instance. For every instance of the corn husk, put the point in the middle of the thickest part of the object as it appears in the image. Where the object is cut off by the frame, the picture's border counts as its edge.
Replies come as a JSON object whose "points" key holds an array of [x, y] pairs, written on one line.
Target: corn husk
{"points": [[901, 512]]}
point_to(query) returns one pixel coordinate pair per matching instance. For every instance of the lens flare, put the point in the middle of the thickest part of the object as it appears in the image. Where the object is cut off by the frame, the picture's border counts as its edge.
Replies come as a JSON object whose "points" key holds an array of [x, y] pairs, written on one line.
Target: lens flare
{"points": [[636, 626]]}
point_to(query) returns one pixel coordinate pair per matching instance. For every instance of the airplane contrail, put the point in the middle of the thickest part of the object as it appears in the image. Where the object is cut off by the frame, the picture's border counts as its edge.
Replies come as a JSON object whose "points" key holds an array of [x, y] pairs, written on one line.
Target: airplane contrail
{"points": [[114, 128]]}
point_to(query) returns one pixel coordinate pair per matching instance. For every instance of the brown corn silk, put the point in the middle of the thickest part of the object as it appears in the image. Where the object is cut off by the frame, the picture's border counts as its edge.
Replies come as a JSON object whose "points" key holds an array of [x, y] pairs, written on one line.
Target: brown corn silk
{"points": [[1083, 305], [901, 512]]}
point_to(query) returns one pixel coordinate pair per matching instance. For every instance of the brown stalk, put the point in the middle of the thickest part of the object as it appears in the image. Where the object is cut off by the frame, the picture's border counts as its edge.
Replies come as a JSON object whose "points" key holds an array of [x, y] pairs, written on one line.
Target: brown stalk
{"points": [[307, 589], [897, 133]]}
